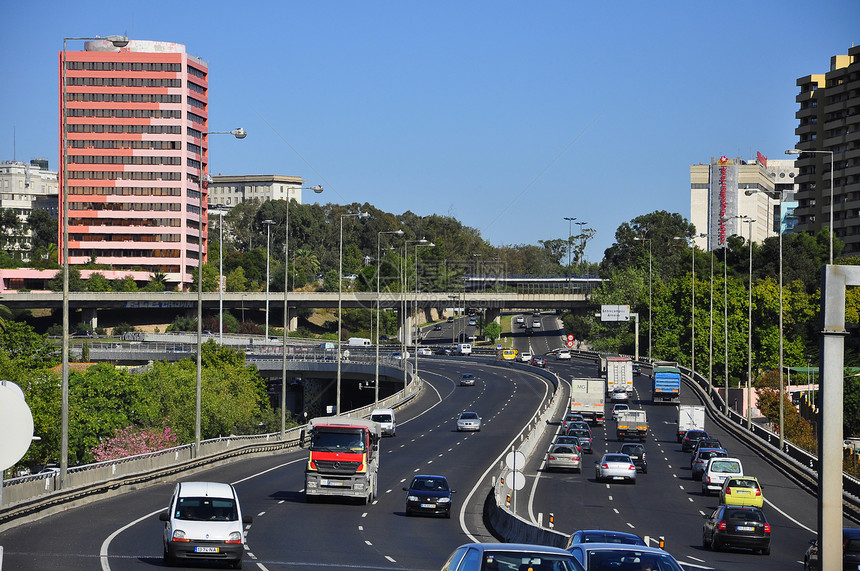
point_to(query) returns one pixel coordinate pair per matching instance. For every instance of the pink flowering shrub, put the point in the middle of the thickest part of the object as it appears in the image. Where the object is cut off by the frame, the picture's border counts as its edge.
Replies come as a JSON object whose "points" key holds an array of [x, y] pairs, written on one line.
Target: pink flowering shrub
{"points": [[133, 440]]}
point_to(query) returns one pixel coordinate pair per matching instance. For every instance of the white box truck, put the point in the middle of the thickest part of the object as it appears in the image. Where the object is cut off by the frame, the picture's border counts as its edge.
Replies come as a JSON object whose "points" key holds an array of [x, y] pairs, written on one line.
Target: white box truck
{"points": [[587, 397], [359, 342], [619, 374], [690, 417]]}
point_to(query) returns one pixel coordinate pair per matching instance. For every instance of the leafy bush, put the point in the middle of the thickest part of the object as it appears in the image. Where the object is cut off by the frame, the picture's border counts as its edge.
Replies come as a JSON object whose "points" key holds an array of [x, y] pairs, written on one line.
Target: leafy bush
{"points": [[133, 440]]}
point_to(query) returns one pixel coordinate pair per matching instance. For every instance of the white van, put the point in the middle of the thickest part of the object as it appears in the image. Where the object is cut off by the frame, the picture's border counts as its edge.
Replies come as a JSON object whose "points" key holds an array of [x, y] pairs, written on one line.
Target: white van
{"points": [[716, 472], [464, 348], [359, 342], [385, 418], [204, 522]]}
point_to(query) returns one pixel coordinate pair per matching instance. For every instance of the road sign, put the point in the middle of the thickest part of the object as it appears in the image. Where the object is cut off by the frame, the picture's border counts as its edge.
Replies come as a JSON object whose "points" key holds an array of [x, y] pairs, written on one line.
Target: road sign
{"points": [[515, 481], [614, 313], [570, 343], [515, 460], [570, 337], [498, 346]]}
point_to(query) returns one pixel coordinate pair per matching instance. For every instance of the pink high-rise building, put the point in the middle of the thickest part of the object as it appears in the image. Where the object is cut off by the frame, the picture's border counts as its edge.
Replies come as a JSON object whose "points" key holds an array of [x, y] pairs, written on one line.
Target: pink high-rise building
{"points": [[133, 119]]}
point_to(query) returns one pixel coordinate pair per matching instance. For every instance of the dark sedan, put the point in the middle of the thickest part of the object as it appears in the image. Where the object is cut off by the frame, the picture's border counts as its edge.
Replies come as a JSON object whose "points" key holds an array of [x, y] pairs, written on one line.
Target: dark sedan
{"points": [[429, 495], [690, 438], [637, 455], [603, 536], [539, 361], [736, 526]]}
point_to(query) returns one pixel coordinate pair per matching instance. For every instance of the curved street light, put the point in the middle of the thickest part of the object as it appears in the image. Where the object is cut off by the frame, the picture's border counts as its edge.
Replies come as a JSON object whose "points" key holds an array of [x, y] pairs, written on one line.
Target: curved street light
{"points": [[317, 189], [118, 42], [239, 134]]}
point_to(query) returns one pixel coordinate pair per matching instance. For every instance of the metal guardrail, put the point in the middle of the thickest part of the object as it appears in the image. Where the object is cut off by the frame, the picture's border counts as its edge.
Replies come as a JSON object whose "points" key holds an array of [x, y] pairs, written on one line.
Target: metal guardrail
{"points": [[27, 495]]}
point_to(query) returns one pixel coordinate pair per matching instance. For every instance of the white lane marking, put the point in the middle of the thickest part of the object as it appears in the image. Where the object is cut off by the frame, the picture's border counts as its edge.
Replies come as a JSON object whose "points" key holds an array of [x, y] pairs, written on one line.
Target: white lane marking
{"points": [[695, 559], [361, 528], [630, 525], [366, 542], [391, 559], [387, 491], [790, 518], [615, 510], [261, 514], [281, 501], [691, 499], [103, 552], [610, 498], [364, 514]]}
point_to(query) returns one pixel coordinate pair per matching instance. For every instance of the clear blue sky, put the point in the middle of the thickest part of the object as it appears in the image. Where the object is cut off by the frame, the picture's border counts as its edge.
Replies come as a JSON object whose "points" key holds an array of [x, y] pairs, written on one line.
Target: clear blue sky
{"points": [[506, 115]]}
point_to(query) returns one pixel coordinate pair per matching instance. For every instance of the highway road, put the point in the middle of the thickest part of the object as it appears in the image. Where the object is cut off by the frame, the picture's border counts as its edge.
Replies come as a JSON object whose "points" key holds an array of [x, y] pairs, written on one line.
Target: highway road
{"points": [[666, 502], [123, 532]]}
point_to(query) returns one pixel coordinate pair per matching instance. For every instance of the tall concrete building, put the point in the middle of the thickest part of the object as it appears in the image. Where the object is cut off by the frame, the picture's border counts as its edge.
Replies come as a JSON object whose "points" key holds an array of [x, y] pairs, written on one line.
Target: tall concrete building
{"points": [[829, 120], [132, 124], [719, 190], [25, 187]]}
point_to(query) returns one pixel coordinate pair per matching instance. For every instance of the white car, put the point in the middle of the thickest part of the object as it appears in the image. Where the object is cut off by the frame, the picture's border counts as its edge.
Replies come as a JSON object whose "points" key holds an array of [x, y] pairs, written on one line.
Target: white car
{"points": [[520, 319], [524, 357], [536, 323], [204, 522], [424, 352], [469, 421], [615, 467], [563, 355]]}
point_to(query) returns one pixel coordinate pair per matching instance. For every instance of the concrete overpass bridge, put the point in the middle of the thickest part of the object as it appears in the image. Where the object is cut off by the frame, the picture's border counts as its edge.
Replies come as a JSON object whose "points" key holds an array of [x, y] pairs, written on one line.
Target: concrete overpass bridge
{"points": [[409, 306]]}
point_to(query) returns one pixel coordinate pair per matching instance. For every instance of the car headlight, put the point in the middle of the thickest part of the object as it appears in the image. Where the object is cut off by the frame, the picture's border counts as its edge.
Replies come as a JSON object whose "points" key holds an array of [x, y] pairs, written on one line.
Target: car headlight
{"points": [[235, 537], [179, 535], [359, 486], [443, 500], [412, 498]]}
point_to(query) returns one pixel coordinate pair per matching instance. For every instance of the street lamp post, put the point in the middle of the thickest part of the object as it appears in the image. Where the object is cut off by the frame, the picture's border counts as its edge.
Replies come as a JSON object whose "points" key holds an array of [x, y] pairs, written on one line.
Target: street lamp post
{"points": [[743, 217], [799, 152], [317, 189], [582, 240], [417, 324], [569, 232], [749, 222], [649, 290], [781, 376], [692, 304], [711, 331], [118, 42], [378, 271], [268, 224], [361, 215], [220, 213], [239, 134]]}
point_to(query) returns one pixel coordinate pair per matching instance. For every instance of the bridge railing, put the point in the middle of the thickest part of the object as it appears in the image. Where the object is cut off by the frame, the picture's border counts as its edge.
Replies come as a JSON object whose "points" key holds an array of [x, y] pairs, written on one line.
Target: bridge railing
{"points": [[37, 492]]}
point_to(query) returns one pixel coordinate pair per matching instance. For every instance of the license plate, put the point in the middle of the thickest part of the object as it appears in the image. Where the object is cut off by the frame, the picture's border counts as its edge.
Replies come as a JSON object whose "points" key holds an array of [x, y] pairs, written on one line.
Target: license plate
{"points": [[429, 506], [206, 550], [617, 477], [742, 492], [745, 528]]}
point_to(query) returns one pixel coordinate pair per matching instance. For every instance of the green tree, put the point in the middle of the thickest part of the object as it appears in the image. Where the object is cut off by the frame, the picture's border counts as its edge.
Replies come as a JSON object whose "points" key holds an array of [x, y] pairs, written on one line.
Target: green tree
{"points": [[125, 283], [43, 230], [98, 283], [235, 280], [492, 331], [75, 281]]}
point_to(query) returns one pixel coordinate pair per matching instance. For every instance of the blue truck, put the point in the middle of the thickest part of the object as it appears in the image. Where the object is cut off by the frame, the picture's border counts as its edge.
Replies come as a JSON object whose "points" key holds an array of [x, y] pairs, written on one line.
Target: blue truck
{"points": [[666, 383]]}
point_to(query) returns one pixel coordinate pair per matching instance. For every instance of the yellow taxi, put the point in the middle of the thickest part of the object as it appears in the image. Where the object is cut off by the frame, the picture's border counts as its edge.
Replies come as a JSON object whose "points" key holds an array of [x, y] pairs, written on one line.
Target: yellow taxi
{"points": [[742, 491], [507, 354]]}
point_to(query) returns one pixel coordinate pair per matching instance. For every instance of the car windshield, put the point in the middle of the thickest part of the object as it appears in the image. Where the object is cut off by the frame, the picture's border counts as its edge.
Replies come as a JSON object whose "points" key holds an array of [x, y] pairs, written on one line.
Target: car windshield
{"points": [[430, 484], [469, 416], [725, 467], [580, 433], [514, 561], [705, 454], [632, 449], [631, 559], [609, 537], [617, 458], [336, 440], [696, 434], [380, 417], [206, 509], [737, 483]]}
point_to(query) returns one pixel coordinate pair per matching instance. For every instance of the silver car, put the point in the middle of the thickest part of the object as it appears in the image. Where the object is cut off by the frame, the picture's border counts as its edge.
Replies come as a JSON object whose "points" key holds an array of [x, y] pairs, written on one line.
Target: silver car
{"points": [[478, 556], [620, 556], [615, 467], [584, 438], [469, 421], [564, 457]]}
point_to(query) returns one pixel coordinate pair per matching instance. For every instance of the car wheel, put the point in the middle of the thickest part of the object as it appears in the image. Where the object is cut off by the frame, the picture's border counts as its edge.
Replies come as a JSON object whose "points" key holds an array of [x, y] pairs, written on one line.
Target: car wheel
{"points": [[765, 551], [644, 470], [168, 560], [448, 514], [408, 512], [715, 544], [236, 564], [705, 543]]}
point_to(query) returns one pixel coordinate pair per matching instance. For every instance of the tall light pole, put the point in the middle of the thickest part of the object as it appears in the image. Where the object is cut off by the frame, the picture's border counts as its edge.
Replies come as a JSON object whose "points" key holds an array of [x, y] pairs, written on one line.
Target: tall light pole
{"points": [[692, 303], [268, 224], [569, 233], [711, 331], [220, 212], [361, 215], [832, 168], [726, 304], [417, 325], [649, 290], [781, 375], [239, 134], [397, 233], [317, 189], [405, 305], [118, 42], [749, 222], [581, 237]]}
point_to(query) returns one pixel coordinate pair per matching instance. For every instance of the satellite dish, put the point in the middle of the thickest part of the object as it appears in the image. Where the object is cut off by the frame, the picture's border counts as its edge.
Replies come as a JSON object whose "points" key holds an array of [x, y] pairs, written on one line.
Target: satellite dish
{"points": [[16, 425]]}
